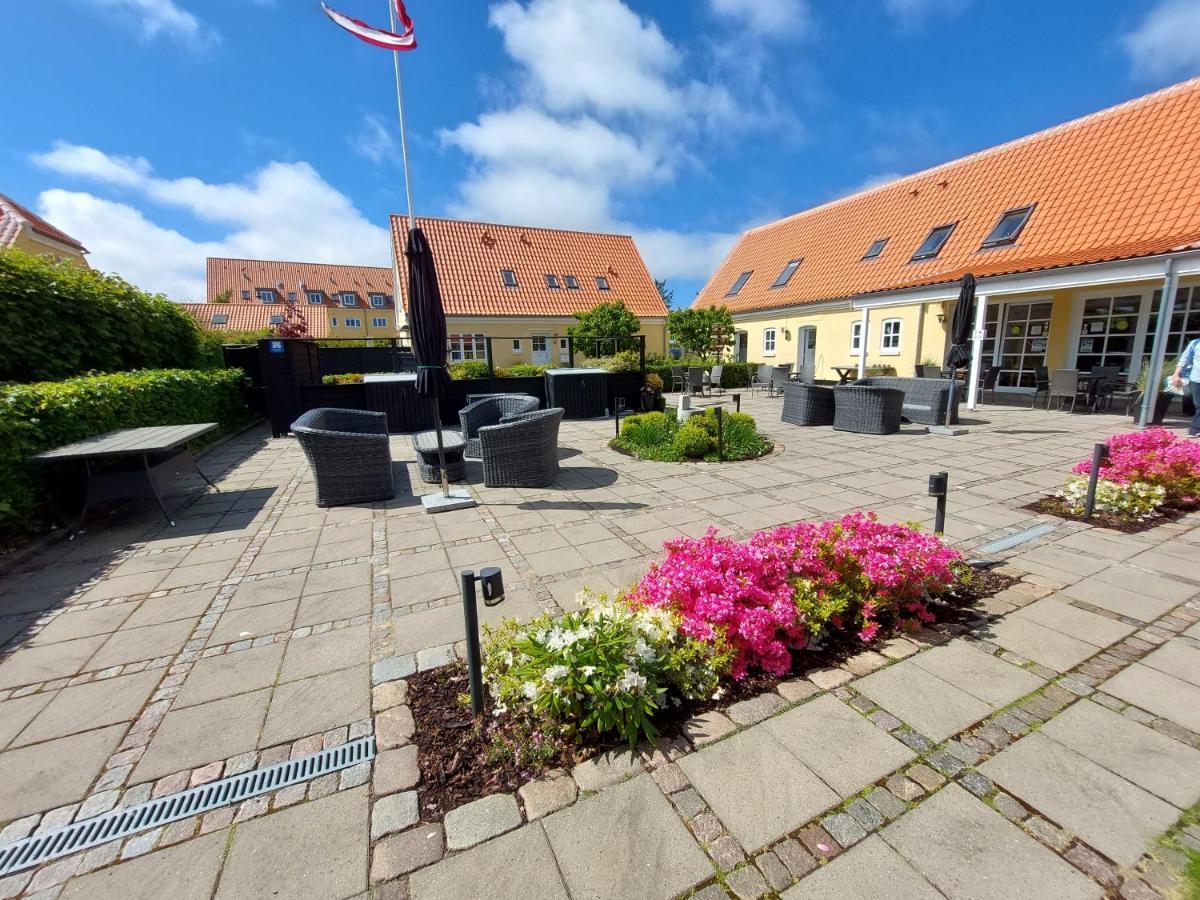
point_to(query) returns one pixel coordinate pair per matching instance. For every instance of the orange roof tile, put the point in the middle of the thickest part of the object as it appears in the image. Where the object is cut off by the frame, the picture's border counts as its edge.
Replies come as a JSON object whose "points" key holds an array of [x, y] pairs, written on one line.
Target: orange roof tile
{"points": [[14, 214], [1120, 183], [470, 255], [251, 317], [238, 275]]}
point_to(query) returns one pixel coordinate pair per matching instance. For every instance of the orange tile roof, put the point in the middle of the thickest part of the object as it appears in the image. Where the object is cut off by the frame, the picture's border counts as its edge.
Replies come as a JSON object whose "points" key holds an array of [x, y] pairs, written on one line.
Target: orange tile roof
{"points": [[252, 317], [1120, 183], [237, 275], [470, 255], [13, 214]]}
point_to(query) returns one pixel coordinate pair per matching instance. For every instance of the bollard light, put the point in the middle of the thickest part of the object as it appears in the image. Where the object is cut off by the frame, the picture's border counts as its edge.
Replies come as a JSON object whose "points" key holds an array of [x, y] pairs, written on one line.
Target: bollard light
{"points": [[493, 586], [493, 595], [939, 487], [1099, 455]]}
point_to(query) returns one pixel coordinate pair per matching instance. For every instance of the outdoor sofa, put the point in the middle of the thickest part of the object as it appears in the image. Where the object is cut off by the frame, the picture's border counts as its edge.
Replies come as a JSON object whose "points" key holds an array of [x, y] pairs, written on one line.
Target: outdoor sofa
{"points": [[490, 410], [349, 454], [924, 398], [521, 450], [807, 404], [867, 409]]}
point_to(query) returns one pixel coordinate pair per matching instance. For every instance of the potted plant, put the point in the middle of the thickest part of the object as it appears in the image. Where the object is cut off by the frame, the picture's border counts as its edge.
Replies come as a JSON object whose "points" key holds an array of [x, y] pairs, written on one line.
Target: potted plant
{"points": [[651, 399], [1162, 400]]}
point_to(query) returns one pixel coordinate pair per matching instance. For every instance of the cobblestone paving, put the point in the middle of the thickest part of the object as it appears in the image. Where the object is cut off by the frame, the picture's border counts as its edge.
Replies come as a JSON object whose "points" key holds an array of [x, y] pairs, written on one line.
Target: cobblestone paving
{"points": [[1038, 752]]}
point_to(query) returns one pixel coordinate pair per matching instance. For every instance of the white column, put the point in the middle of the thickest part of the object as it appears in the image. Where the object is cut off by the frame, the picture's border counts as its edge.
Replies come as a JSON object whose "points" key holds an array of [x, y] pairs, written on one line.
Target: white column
{"points": [[862, 342], [1166, 308], [981, 302]]}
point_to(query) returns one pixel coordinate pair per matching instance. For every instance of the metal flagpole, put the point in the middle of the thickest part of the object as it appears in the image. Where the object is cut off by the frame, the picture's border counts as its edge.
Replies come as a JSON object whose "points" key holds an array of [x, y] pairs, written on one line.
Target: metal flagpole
{"points": [[400, 110]]}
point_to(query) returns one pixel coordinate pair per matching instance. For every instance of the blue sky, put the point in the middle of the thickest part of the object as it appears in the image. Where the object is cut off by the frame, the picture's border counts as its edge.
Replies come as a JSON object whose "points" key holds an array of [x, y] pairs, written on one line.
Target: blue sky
{"points": [[159, 132]]}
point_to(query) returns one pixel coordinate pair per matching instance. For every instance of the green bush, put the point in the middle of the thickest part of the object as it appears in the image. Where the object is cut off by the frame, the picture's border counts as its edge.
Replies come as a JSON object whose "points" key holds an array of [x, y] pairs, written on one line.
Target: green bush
{"points": [[345, 378], [468, 369], [659, 437], [733, 375], [624, 361], [42, 415], [58, 320], [522, 370], [740, 436], [646, 429], [692, 440]]}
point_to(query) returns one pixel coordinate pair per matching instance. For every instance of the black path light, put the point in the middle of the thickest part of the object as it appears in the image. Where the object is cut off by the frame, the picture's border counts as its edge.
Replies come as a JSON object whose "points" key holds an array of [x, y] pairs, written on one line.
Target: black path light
{"points": [[1099, 455], [939, 487], [492, 582]]}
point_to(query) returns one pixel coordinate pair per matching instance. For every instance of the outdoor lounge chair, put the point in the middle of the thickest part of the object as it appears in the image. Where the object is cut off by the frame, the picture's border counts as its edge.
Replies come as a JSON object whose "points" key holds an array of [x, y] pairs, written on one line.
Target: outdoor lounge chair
{"points": [[490, 411], [714, 379], [761, 378], [924, 398], [522, 450], [349, 454], [807, 404], [867, 410]]}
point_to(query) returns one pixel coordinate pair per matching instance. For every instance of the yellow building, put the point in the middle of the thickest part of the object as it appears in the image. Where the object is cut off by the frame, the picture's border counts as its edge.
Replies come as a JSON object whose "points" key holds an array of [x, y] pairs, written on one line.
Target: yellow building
{"points": [[351, 301], [1074, 235], [521, 286], [25, 230]]}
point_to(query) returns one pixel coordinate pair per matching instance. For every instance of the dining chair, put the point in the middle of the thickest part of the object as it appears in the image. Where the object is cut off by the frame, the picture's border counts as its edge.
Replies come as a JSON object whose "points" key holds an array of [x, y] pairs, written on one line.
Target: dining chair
{"points": [[1041, 385]]}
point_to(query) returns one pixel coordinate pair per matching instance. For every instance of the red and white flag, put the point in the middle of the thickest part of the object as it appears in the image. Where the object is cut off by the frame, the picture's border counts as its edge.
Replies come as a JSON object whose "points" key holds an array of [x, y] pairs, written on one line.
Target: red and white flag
{"points": [[379, 37]]}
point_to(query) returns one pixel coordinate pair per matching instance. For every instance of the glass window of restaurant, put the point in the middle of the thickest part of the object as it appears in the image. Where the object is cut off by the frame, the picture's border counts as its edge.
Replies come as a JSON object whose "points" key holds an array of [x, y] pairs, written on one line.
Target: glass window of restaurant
{"points": [[1108, 332]]}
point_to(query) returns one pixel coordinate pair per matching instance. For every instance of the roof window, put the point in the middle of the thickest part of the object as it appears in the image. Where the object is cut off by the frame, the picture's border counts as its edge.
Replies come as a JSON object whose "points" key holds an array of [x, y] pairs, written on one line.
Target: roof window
{"points": [[1008, 229], [875, 249], [572, 282], [552, 282], [786, 275], [508, 277], [739, 284], [932, 245]]}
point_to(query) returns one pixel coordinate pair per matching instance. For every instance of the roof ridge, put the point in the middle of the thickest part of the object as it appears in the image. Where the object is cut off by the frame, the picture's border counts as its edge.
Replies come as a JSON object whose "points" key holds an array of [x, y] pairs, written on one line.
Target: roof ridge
{"points": [[1123, 106], [401, 216], [297, 262]]}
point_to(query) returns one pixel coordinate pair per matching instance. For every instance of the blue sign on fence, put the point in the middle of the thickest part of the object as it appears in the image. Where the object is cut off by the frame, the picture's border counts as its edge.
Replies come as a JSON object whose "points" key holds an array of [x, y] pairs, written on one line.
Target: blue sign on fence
{"points": [[275, 346]]}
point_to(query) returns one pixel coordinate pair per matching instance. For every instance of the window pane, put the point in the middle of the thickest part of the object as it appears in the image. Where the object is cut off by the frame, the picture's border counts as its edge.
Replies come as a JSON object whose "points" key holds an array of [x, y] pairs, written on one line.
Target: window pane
{"points": [[933, 244], [740, 283], [786, 275]]}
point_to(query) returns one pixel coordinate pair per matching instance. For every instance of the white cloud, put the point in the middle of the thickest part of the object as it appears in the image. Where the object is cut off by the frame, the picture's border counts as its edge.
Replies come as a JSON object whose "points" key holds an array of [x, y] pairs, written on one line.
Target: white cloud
{"points": [[767, 18], [1164, 45], [375, 141], [674, 254], [912, 14], [158, 18], [281, 211]]}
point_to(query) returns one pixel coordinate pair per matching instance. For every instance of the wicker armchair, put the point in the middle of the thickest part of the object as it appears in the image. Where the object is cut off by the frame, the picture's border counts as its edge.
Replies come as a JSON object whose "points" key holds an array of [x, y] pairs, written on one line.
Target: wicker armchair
{"points": [[924, 398], [522, 451], [490, 411], [807, 404], [349, 454], [867, 410]]}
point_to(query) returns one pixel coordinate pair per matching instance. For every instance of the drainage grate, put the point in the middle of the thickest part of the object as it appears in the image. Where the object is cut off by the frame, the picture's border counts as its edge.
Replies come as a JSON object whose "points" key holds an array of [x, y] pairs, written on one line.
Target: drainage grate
{"points": [[122, 822], [1014, 540]]}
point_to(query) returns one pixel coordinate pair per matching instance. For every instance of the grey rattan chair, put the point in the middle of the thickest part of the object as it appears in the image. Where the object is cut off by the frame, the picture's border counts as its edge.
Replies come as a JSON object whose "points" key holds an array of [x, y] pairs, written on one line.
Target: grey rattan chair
{"points": [[714, 379], [349, 454], [867, 410], [490, 411], [807, 404], [521, 451], [924, 398], [1064, 386]]}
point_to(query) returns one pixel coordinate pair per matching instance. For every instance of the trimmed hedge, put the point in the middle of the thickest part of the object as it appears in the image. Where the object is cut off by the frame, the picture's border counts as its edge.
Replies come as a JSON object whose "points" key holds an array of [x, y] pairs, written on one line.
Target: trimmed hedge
{"points": [[733, 375], [36, 417], [58, 320]]}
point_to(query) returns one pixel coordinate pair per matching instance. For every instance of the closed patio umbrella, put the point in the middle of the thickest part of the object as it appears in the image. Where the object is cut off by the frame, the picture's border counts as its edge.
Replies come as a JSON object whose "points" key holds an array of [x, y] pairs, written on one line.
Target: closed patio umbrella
{"points": [[959, 354]]}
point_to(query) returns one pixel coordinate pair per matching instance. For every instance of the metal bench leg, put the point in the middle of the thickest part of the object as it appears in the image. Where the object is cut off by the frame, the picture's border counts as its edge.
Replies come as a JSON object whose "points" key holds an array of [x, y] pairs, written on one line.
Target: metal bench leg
{"points": [[87, 499], [154, 488]]}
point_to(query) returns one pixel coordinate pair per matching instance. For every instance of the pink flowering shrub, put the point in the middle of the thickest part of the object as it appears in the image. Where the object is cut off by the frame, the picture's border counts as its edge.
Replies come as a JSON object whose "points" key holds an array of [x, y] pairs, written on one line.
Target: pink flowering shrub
{"points": [[1156, 457], [776, 591]]}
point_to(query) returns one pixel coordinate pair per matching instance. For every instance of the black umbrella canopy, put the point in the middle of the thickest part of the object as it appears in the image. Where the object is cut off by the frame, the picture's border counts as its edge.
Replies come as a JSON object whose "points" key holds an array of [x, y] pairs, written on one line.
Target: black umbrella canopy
{"points": [[427, 318], [959, 354]]}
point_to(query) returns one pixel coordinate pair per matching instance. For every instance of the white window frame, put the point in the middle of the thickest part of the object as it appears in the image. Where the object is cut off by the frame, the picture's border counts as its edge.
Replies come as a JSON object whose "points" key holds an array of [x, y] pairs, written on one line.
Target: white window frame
{"points": [[265, 295], [348, 300], [315, 298], [466, 346], [891, 333], [769, 341], [564, 350], [516, 346], [379, 322], [379, 301], [352, 322], [856, 338], [333, 321]]}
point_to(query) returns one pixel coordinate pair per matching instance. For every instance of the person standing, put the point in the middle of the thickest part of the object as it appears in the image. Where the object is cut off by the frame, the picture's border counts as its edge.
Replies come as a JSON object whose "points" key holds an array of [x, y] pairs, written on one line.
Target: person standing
{"points": [[1187, 375]]}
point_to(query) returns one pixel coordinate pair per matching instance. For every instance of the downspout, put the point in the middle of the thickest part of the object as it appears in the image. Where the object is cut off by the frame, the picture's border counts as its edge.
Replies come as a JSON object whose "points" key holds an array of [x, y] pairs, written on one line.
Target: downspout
{"points": [[1165, 311]]}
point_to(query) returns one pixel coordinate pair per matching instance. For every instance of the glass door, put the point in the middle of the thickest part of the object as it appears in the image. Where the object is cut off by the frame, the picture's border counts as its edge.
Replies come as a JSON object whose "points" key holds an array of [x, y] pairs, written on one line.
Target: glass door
{"points": [[540, 346], [1021, 343], [1107, 333]]}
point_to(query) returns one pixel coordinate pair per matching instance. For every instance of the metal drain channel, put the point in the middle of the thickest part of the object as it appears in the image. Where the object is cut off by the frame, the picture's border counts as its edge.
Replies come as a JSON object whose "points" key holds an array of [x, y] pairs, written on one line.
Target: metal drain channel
{"points": [[111, 826], [1014, 540]]}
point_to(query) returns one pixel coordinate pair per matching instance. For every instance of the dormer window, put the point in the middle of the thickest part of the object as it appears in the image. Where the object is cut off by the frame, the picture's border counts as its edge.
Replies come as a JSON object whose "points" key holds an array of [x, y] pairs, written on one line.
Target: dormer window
{"points": [[265, 295], [875, 249], [379, 301], [315, 298], [786, 275], [552, 282], [602, 283], [508, 278], [349, 299], [739, 284], [1008, 229], [572, 282], [932, 245]]}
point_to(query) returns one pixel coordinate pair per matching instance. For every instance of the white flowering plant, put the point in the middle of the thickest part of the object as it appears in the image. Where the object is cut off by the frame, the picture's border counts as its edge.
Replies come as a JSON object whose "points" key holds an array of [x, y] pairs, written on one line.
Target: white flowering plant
{"points": [[1131, 501], [608, 667]]}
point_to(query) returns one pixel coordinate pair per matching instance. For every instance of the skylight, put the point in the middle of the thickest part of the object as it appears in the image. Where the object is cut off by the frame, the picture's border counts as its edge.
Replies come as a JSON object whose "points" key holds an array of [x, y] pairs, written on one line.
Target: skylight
{"points": [[572, 282], [508, 277], [552, 282], [875, 249], [786, 275], [740, 283], [1008, 229], [602, 283], [932, 245]]}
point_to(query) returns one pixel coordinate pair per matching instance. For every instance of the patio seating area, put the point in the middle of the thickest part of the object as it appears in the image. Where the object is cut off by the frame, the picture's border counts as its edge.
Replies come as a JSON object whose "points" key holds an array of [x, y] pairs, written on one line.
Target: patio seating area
{"points": [[1038, 749]]}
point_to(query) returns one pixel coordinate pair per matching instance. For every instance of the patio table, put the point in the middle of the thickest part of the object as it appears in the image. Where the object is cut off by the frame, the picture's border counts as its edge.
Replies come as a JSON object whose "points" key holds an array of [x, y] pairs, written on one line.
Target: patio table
{"points": [[453, 445], [145, 463], [845, 373]]}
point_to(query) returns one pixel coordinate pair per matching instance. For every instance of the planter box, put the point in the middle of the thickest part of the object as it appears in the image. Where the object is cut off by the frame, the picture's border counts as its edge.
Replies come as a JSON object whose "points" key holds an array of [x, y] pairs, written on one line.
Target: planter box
{"points": [[581, 393]]}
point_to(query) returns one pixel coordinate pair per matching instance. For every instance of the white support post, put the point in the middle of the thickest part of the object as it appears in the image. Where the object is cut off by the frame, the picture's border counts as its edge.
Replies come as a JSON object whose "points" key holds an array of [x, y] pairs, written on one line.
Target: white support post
{"points": [[862, 342], [1166, 309], [981, 302]]}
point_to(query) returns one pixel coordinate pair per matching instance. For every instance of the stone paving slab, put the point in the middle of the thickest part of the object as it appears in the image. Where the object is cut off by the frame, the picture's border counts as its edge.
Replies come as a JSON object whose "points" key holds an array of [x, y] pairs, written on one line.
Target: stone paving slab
{"points": [[868, 869], [33, 665], [201, 734], [1178, 659], [42, 776], [1137, 753], [487, 872], [229, 674], [1159, 693], [86, 706], [1035, 641], [819, 732], [934, 707], [967, 850], [1053, 613], [1103, 591], [995, 682], [185, 872], [625, 842], [1116, 817], [756, 786], [17, 713]]}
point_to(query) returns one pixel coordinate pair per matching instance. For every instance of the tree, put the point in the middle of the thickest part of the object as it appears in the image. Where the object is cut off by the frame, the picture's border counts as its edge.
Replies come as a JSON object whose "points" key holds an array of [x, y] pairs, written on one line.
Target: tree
{"points": [[702, 332], [294, 325], [607, 320], [223, 297], [665, 292]]}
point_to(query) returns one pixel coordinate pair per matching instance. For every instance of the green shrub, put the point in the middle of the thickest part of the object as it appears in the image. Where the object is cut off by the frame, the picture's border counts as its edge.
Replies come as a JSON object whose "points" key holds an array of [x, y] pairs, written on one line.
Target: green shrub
{"points": [[522, 370], [647, 429], [58, 320], [733, 375], [38, 416], [692, 440], [740, 436], [345, 378], [468, 369], [624, 361]]}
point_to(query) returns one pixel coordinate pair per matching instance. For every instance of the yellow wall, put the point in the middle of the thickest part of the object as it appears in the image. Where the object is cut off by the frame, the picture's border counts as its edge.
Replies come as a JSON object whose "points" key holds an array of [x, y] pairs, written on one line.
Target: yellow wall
{"points": [[38, 248], [504, 331], [366, 329]]}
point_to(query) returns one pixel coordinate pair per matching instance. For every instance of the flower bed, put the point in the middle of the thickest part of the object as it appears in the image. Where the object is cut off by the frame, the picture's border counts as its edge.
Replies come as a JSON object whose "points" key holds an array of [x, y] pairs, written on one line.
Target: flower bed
{"points": [[1149, 477], [658, 437]]}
